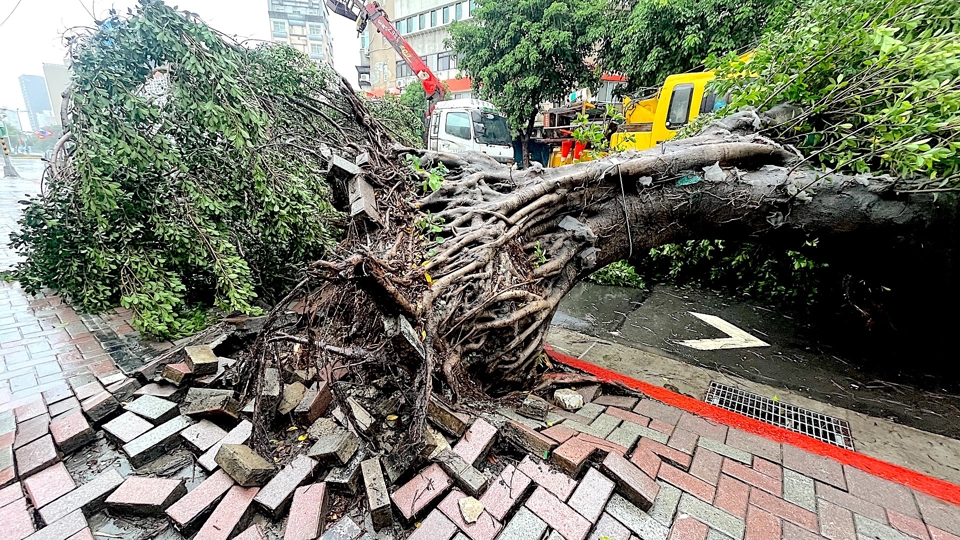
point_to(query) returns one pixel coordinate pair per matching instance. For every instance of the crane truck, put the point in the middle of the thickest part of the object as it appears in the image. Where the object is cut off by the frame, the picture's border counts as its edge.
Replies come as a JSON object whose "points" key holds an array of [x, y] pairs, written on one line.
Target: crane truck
{"points": [[458, 125]]}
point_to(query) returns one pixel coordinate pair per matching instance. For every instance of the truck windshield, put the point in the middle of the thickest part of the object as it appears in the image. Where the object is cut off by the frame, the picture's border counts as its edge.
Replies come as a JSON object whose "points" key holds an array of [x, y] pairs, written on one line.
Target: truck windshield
{"points": [[495, 130]]}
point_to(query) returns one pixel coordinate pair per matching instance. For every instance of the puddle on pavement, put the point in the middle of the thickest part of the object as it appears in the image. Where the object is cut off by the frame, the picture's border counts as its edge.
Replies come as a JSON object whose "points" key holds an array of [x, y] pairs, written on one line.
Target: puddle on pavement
{"points": [[799, 357]]}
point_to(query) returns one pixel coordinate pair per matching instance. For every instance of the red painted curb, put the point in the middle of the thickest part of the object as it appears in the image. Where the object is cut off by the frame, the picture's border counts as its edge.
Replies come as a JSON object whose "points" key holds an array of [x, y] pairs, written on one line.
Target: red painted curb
{"points": [[934, 487]]}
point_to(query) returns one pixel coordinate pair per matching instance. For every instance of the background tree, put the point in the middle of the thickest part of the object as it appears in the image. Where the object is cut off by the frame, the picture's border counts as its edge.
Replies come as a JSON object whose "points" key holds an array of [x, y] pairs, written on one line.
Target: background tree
{"points": [[653, 39], [521, 53]]}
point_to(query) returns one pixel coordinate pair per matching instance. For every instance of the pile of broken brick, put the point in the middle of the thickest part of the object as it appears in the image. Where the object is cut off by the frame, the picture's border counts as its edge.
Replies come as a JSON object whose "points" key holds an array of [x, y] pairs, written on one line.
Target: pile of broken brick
{"points": [[556, 469]]}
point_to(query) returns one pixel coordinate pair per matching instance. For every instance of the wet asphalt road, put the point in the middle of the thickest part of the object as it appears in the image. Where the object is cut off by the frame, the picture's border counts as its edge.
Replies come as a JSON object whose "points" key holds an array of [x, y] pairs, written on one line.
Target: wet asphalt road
{"points": [[800, 357]]}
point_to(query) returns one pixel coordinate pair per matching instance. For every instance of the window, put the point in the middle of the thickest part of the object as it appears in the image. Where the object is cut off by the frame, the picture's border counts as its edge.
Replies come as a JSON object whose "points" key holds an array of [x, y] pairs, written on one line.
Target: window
{"points": [[443, 61], [446, 14], [315, 30], [403, 70], [473, 6], [459, 13], [458, 125], [412, 24], [402, 26], [707, 103], [431, 61], [279, 27], [433, 18], [423, 21], [435, 124], [316, 49], [679, 111]]}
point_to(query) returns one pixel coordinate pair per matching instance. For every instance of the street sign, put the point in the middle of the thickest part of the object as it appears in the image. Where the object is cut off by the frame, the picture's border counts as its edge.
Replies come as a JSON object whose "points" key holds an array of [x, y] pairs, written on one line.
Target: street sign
{"points": [[738, 339]]}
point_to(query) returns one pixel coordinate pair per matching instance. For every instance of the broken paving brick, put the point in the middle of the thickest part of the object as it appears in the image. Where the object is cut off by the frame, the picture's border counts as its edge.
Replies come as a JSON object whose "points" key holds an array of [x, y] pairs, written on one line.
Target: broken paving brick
{"points": [[420, 492], [314, 403], [126, 428], [146, 496], [210, 402], [253, 532], [201, 359], [30, 410], [336, 448], [270, 391], [166, 391], [153, 409], [238, 435], [71, 431], [154, 443], [208, 380], [279, 490], [632, 483], [245, 466], [29, 431], [347, 477], [87, 497], [229, 516], [486, 526], [323, 426], [36, 456], [99, 406], [476, 442], [63, 407], [308, 513], [445, 418], [534, 407], [505, 491], [66, 527], [527, 439], [47, 485], [363, 420], [58, 393], [203, 435], [88, 390], [292, 396], [176, 373], [378, 498], [124, 390], [186, 512], [344, 529], [464, 474]]}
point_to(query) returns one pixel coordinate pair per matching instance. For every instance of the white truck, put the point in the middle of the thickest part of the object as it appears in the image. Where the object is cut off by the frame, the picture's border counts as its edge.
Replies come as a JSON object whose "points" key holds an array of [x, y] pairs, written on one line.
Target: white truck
{"points": [[465, 125]]}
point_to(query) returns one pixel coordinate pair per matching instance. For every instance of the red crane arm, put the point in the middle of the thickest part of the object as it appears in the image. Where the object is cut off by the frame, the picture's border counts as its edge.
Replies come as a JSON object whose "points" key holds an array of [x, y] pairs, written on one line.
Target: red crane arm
{"points": [[372, 12]]}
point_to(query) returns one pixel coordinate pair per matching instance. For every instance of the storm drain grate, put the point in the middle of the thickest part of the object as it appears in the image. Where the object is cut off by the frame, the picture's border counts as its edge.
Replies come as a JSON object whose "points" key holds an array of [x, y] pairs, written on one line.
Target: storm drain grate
{"points": [[819, 426]]}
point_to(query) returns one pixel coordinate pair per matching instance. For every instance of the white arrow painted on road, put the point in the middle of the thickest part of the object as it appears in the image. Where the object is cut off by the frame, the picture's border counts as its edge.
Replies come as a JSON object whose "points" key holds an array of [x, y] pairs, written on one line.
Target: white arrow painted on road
{"points": [[738, 338]]}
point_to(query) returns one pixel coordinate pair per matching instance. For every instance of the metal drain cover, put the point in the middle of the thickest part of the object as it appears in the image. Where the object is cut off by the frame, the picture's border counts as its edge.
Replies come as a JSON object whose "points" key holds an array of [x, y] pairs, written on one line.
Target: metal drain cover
{"points": [[817, 425]]}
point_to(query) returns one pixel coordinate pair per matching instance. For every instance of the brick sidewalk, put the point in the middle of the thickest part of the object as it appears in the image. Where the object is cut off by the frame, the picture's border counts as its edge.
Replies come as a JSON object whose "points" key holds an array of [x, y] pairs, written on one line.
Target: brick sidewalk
{"points": [[712, 482], [44, 342]]}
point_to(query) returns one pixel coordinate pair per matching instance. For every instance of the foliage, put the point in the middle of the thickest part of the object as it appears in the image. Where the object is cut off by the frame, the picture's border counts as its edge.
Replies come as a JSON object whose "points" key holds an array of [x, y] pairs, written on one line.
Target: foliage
{"points": [[403, 123], [204, 192], [432, 179], [414, 97], [595, 134], [619, 274], [521, 53], [539, 255], [878, 83], [767, 273], [654, 38]]}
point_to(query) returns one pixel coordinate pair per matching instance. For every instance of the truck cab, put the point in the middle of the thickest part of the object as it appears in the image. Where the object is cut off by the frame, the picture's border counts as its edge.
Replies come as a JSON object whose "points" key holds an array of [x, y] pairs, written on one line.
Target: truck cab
{"points": [[470, 125]]}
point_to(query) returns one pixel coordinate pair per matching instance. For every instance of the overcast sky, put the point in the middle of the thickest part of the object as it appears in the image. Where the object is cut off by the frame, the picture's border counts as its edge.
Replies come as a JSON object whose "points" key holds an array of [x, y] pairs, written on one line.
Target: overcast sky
{"points": [[32, 34]]}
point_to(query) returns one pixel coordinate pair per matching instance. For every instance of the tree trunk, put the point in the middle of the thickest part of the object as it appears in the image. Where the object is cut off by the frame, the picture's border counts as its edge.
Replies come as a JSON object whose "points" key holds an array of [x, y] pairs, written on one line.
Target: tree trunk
{"points": [[525, 140], [473, 311]]}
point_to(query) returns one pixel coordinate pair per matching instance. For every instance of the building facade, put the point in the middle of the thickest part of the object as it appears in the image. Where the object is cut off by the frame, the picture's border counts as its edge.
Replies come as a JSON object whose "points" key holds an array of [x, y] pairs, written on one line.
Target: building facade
{"points": [[425, 24], [35, 98], [304, 25], [57, 77]]}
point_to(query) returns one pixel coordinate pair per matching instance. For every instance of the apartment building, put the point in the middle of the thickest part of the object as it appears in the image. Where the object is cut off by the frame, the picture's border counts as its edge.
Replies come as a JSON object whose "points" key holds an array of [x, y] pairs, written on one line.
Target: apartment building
{"points": [[304, 25]]}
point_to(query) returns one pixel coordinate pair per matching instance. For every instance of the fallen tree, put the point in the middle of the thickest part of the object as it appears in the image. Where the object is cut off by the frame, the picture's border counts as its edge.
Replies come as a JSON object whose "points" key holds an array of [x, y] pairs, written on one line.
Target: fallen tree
{"points": [[447, 275], [459, 283]]}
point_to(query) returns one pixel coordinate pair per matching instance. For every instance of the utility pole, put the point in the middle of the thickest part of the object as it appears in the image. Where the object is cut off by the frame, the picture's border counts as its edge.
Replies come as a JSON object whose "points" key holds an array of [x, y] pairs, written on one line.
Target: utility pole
{"points": [[8, 170]]}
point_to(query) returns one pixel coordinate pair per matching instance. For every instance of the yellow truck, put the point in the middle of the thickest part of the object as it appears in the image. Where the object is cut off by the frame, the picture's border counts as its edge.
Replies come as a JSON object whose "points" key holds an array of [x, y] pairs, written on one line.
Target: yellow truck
{"points": [[649, 122]]}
